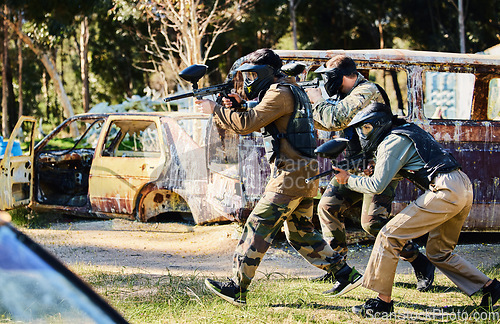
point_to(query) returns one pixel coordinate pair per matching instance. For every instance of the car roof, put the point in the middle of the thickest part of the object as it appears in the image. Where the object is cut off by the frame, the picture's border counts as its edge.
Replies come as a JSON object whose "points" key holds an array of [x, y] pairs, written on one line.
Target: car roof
{"points": [[171, 114], [395, 57]]}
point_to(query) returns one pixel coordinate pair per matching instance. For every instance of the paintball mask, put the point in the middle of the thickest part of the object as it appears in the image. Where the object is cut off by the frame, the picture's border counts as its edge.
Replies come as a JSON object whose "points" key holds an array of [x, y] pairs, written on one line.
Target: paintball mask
{"points": [[372, 124], [256, 78], [332, 77]]}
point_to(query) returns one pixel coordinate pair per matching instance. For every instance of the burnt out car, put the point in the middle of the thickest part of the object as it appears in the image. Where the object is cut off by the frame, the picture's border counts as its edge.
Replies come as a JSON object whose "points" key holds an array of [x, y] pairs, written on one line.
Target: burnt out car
{"points": [[455, 97], [133, 165]]}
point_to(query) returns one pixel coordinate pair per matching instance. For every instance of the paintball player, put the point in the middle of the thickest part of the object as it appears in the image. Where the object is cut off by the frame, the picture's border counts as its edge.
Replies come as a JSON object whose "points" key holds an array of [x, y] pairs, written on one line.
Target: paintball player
{"points": [[406, 149], [283, 111], [350, 92]]}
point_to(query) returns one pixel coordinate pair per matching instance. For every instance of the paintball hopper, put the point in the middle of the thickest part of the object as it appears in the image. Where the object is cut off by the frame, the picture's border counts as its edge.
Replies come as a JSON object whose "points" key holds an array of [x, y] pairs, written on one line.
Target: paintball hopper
{"points": [[194, 73], [293, 69], [332, 148]]}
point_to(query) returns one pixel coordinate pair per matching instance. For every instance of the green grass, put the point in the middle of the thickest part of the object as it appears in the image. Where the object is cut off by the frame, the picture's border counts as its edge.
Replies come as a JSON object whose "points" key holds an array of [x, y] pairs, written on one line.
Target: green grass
{"points": [[145, 298], [274, 298], [24, 217]]}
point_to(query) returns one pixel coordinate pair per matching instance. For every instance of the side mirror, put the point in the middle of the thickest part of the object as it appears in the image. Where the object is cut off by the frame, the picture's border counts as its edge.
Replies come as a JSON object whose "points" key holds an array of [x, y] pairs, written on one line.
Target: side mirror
{"points": [[193, 74], [332, 148]]}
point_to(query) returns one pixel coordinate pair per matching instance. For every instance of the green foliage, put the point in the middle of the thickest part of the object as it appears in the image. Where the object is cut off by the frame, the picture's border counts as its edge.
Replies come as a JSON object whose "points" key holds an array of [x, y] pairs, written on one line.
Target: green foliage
{"points": [[60, 144], [116, 47], [24, 217], [262, 26], [119, 36]]}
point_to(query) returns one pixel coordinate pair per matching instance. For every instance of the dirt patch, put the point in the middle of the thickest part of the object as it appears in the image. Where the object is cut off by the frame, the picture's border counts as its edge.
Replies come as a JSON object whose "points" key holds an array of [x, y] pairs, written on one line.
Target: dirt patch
{"points": [[160, 248]]}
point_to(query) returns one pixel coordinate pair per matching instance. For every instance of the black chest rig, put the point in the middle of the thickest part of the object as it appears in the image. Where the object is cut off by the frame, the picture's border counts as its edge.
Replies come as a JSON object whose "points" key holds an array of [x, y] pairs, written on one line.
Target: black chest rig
{"points": [[436, 159], [300, 131]]}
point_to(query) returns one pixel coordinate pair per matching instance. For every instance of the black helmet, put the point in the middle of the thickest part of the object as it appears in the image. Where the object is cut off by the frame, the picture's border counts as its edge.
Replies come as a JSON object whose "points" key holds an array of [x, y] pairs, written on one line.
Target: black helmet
{"points": [[372, 124], [334, 76], [256, 78]]}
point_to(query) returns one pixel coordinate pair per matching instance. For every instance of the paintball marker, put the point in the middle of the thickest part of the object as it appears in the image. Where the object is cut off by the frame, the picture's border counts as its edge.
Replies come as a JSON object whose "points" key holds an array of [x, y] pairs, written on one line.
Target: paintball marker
{"points": [[294, 69], [331, 150], [309, 84], [193, 74]]}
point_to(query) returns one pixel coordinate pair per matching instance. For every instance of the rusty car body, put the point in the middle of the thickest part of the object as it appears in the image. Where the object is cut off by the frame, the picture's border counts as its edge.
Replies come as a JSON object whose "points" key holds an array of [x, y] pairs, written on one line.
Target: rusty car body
{"points": [[455, 97], [129, 165], [141, 165]]}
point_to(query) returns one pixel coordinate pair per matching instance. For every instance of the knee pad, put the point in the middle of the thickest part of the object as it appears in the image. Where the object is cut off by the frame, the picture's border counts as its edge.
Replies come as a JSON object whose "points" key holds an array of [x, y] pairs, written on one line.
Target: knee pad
{"points": [[367, 227], [410, 250], [373, 224]]}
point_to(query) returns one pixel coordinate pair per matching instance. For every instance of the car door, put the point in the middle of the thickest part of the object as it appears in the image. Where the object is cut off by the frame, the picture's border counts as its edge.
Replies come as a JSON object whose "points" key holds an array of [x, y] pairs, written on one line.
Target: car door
{"points": [[238, 172], [130, 155], [38, 288], [225, 196], [16, 165]]}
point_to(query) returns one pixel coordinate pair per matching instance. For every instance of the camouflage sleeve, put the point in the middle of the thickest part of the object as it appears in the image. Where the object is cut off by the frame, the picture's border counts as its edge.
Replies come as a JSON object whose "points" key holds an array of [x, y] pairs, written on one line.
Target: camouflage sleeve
{"points": [[336, 115]]}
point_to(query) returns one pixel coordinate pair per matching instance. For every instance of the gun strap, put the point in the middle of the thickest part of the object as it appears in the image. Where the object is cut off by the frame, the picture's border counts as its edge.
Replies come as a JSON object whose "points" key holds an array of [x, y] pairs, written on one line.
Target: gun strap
{"points": [[384, 95], [382, 92]]}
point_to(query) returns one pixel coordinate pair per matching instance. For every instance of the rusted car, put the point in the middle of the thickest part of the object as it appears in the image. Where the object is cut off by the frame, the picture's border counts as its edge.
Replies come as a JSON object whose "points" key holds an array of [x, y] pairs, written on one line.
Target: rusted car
{"points": [[131, 165], [455, 97]]}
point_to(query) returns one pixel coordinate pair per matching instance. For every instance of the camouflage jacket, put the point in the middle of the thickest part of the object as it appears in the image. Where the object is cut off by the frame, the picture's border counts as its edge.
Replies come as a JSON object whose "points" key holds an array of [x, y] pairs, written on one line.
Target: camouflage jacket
{"points": [[335, 115]]}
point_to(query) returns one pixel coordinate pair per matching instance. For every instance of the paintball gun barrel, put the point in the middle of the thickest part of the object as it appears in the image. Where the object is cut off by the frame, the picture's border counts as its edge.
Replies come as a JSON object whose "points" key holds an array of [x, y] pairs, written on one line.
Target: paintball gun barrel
{"points": [[193, 74], [198, 93], [331, 150], [309, 84]]}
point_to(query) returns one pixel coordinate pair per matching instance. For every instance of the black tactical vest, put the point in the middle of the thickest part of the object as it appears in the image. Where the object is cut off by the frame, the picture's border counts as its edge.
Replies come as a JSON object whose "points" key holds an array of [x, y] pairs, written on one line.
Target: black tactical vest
{"points": [[300, 131], [436, 159]]}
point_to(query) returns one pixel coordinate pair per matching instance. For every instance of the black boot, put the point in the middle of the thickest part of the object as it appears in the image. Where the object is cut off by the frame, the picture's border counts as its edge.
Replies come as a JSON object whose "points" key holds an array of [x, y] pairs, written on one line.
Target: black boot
{"points": [[374, 308], [491, 295], [424, 271], [347, 279]]}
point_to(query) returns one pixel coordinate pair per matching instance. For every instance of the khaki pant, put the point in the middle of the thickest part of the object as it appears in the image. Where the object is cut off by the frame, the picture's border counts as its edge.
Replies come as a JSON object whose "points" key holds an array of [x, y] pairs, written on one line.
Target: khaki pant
{"points": [[440, 212]]}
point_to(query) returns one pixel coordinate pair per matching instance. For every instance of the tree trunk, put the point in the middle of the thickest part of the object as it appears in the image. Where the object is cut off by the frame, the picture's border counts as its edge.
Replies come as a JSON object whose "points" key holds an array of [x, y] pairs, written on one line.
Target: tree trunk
{"points": [[51, 70], [20, 72], [45, 92], [293, 21], [84, 63], [5, 93], [461, 26]]}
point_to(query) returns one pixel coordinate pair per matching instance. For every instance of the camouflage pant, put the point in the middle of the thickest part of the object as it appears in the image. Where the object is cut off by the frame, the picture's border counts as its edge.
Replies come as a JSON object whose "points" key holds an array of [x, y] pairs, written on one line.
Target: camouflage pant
{"points": [[375, 213], [271, 212]]}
